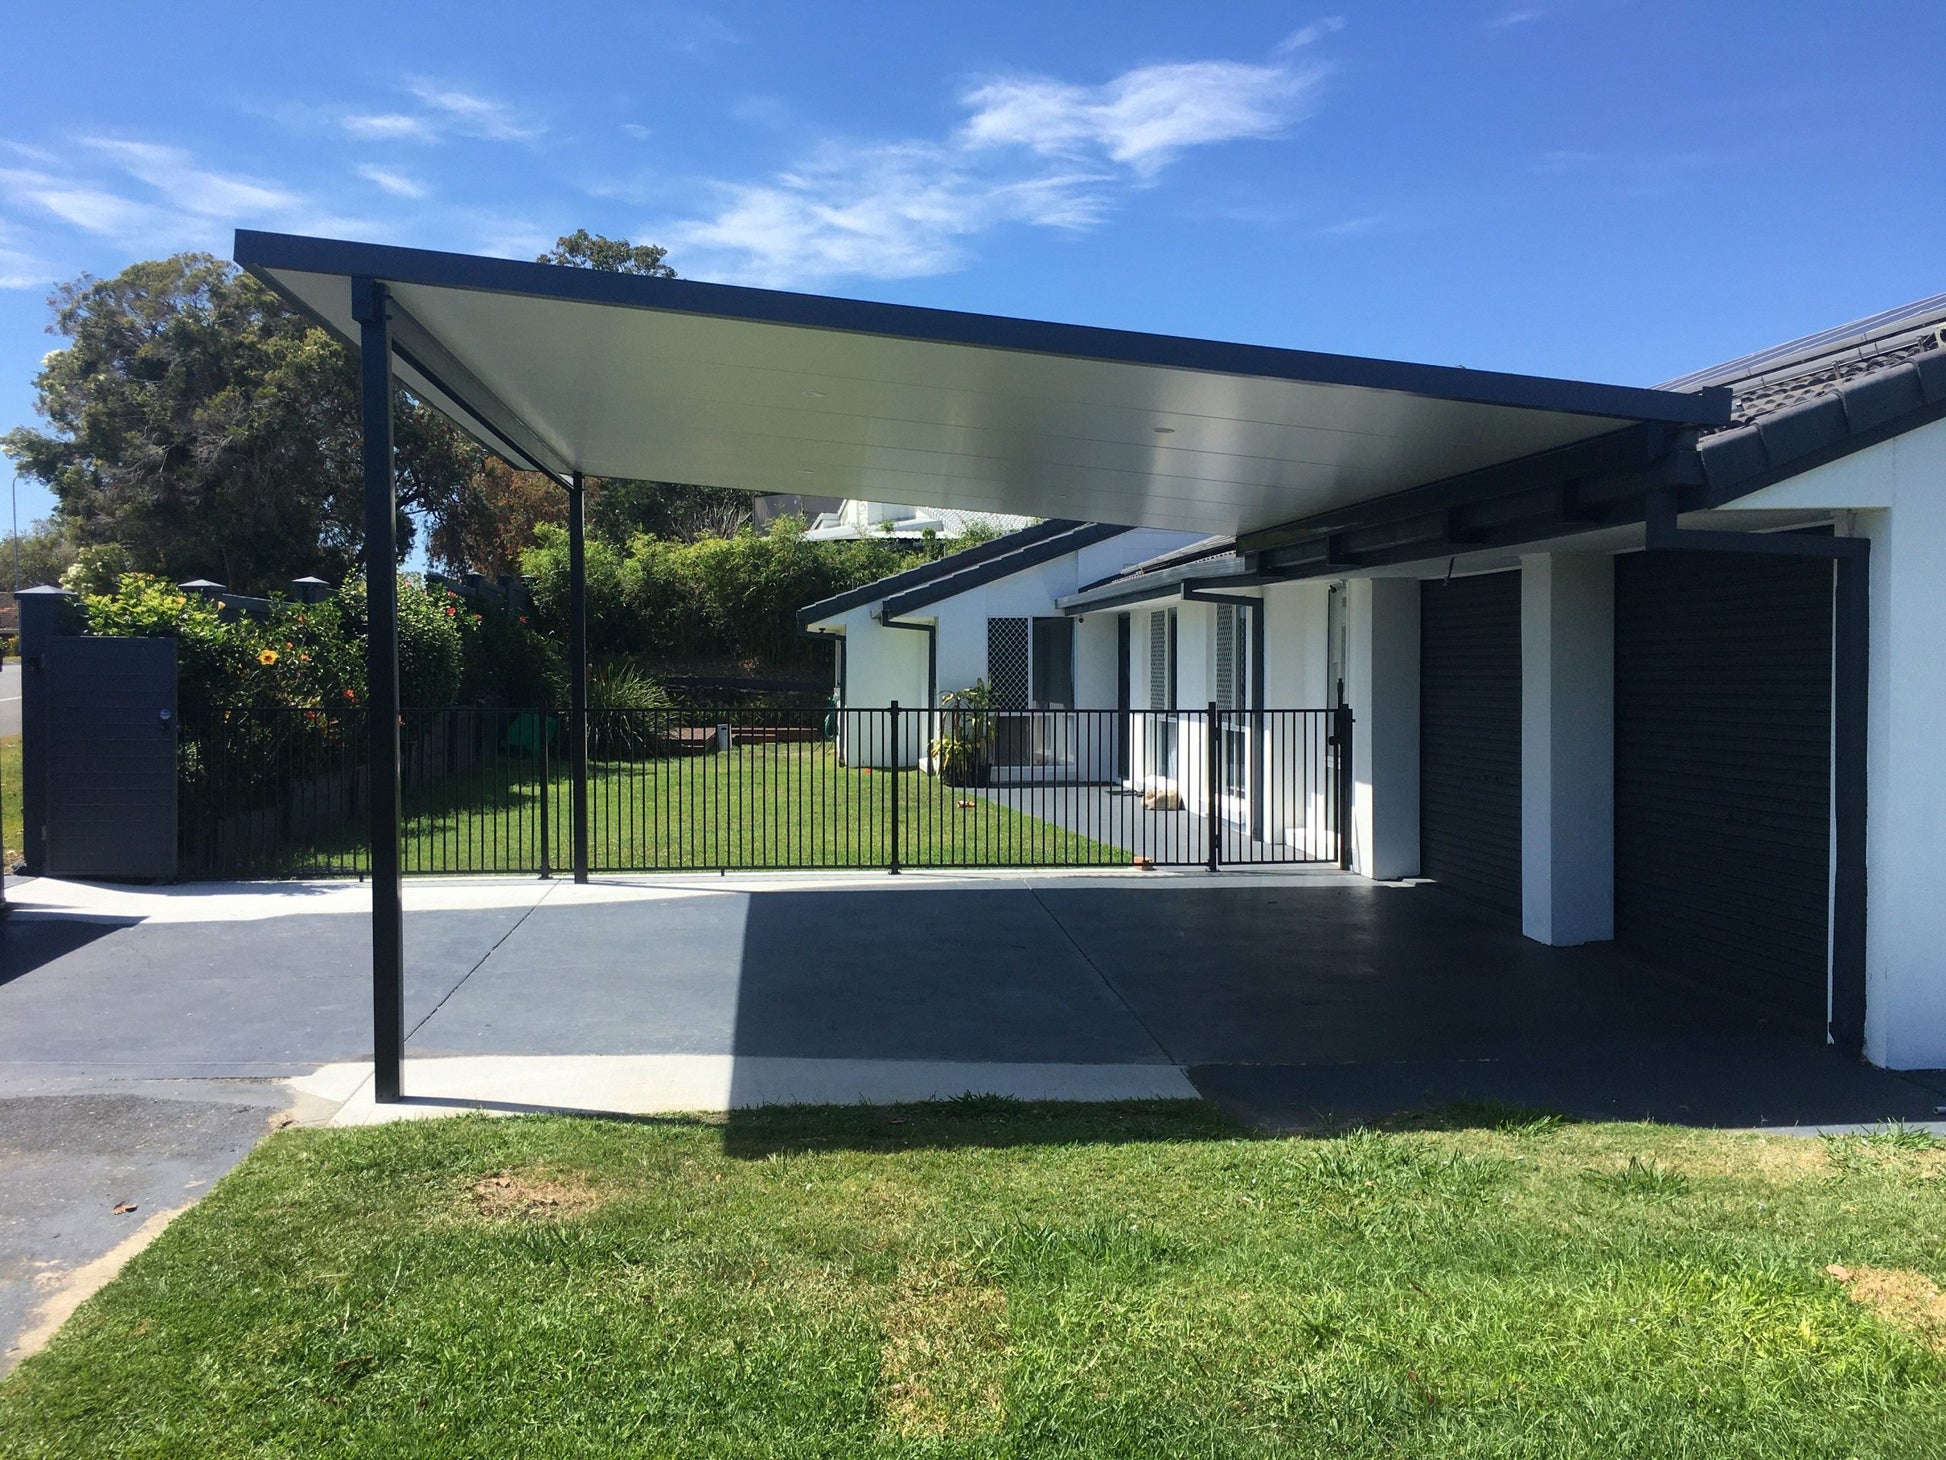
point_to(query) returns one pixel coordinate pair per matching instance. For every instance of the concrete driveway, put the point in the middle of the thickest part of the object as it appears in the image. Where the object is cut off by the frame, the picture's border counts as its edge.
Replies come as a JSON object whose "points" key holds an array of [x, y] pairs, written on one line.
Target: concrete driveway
{"points": [[149, 1037]]}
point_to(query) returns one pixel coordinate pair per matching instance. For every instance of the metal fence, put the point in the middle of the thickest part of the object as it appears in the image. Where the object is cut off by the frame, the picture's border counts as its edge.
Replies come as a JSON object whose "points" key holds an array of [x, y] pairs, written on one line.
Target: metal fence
{"points": [[279, 792]]}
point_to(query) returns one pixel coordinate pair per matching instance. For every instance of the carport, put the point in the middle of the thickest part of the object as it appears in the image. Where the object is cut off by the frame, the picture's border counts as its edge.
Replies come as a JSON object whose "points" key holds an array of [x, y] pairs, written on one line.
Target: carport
{"points": [[578, 374]]}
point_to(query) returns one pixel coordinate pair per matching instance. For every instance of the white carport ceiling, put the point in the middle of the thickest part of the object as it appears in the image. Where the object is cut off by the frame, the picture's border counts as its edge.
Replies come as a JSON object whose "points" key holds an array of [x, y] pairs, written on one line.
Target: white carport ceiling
{"points": [[670, 380]]}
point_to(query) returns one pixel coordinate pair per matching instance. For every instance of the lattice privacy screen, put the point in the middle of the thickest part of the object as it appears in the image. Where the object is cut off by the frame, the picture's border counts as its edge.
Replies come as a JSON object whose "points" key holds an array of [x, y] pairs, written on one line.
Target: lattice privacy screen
{"points": [[1159, 660], [1009, 657]]}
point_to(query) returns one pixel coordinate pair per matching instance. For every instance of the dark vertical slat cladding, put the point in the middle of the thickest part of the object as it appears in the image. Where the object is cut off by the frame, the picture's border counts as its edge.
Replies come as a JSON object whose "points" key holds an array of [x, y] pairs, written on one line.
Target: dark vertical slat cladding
{"points": [[1723, 769], [1469, 737]]}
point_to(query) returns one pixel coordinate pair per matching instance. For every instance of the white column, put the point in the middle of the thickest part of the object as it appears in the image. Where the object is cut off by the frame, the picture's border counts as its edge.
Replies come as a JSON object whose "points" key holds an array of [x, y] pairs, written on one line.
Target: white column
{"points": [[1382, 684], [1905, 819], [1567, 747]]}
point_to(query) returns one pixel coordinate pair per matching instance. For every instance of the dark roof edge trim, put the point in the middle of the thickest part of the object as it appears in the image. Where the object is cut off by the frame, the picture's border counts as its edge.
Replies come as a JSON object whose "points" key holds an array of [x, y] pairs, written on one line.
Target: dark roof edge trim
{"points": [[258, 251], [926, 572], [1030, 555]]}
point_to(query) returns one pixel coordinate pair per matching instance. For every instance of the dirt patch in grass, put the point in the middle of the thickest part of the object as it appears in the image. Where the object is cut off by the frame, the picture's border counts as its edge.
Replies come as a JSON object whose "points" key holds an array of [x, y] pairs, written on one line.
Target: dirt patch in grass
{"points": [[535, 1194], [943, 1362], [1903, 1298]]}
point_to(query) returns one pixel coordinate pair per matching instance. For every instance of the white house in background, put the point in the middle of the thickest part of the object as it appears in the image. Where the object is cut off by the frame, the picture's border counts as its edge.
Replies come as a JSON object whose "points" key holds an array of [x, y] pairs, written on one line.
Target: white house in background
{"points": [[1661, 733], [857, 519], [988, 612]]}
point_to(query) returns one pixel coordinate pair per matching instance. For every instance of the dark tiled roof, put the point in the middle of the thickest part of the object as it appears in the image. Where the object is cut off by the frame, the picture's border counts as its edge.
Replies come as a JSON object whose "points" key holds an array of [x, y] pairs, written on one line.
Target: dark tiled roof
{"points": [[1787, 375]]}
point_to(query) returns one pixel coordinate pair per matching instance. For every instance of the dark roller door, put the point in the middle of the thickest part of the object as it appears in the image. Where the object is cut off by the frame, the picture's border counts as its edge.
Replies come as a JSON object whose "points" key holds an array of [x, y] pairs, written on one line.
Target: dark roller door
{"points": [[1722, 769], [1469, 737]]}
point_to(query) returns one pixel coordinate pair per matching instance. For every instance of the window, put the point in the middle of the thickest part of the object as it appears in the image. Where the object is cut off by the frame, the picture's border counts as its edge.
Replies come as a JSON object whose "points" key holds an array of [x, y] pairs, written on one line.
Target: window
{"points": [[1160, 741], [1030, 663], [1053, 687], [1009, 662]]}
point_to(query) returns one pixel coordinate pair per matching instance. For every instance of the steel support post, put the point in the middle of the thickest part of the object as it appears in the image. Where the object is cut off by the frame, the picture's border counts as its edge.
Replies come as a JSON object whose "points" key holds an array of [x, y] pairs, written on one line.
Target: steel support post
{"points": [[1212, 802], [578, 670], [370, 306]]}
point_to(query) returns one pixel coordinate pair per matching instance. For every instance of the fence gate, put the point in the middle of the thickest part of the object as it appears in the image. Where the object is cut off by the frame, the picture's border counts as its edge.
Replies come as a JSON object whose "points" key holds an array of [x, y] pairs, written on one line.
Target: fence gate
{"points": [[109, 788]]}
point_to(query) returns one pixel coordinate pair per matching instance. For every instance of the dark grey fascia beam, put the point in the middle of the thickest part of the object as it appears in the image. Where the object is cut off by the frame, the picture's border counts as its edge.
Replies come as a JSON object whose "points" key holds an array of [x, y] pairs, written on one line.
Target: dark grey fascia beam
{"points": [[1527, 512], [1633, 448]]}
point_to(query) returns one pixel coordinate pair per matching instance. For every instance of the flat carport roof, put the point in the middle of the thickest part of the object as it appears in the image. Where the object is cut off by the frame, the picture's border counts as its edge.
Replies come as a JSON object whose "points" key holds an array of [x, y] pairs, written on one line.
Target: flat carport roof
{"points": [[577, 373], [668, 380]]}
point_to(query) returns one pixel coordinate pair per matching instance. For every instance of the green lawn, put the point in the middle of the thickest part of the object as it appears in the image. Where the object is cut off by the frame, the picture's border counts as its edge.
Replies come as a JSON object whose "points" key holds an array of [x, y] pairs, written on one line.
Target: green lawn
{"points": [[983, 1279], [752, 807], [11, 839]]}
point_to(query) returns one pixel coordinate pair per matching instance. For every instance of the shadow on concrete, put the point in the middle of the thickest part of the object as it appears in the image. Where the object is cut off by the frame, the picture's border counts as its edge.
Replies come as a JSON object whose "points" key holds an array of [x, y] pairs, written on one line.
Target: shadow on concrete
{"points": [[30, 942], [1298, 1003]]}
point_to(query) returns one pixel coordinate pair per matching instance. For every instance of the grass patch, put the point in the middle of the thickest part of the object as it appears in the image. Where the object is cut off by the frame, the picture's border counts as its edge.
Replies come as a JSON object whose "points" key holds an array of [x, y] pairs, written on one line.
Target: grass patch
{"points": [[13, 840], [756, 806], [988, 1278]]}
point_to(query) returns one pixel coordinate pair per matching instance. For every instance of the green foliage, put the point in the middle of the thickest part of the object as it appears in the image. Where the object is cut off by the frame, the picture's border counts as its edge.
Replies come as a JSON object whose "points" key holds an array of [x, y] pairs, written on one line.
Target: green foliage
{"points": [[621, 510], [96, 569], [619, 685], [963, 750], [718, 598], [45, 552], [584, 250], [197, 422], [504, 660], [429, 639]]}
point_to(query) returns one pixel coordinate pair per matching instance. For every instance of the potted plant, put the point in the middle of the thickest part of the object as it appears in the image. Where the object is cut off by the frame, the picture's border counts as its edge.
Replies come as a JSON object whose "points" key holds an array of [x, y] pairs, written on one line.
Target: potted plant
{"points": [[963, 750]]}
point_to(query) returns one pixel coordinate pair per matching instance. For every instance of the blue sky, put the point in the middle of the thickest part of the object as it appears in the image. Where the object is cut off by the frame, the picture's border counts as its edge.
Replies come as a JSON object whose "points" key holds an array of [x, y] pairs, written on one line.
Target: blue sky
{"points": [[1595, 188]]}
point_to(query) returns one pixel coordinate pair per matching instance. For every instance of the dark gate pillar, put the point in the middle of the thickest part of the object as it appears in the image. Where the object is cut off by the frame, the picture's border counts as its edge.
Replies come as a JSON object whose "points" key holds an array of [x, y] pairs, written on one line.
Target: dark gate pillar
{"points": [[371, 306], [578, 669], [44, 613]]}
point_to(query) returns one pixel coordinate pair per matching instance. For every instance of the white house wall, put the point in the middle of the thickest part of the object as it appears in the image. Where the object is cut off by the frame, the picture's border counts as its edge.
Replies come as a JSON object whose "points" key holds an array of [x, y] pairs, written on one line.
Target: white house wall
{"points": [[1897, 491]]}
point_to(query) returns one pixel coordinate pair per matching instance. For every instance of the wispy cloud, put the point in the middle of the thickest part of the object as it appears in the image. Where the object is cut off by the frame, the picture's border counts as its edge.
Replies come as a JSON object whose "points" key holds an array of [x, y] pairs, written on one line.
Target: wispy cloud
{"points": [[1523, 16], [155, 196], [19, 268], [1310, 35], [395, 183], [442, 111], [1032, 150], [1350, 227]]}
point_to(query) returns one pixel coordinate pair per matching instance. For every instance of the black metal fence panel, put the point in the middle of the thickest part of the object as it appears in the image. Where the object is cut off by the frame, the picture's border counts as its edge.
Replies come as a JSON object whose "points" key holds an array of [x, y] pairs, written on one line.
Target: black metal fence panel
{"points": [[281, 793]]}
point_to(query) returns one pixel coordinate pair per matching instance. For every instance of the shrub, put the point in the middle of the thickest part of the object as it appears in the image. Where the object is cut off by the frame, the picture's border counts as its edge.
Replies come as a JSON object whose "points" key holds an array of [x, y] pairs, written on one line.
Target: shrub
{"points": [[429, 639], [504, 660]]}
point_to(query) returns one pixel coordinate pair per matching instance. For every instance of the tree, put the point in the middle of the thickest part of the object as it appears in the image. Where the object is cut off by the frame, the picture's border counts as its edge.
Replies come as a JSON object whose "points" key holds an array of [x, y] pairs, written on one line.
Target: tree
{"points": [[584, 250], [198, 423], [620, 508], [496, 519]]}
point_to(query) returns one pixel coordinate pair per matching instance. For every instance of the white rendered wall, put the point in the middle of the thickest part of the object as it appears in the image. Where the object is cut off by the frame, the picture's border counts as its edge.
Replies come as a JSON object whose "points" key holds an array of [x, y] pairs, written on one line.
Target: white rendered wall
{"points": [[1382, 686], [1295, 654], [881, 665], [1898, 492], [1567, 747]]}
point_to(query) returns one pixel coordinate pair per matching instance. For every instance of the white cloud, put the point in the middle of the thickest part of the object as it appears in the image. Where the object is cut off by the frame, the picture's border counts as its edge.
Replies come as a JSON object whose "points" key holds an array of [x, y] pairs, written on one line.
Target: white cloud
{"points": [[20, 269], [388, 127], [1308, 35], [156, 197], [1349, 227], [1032, 150], [636, 130], [443, 112], [1515, 17], [1142, 118], [395, 183], [470, 115]]}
